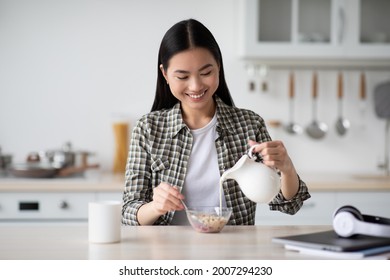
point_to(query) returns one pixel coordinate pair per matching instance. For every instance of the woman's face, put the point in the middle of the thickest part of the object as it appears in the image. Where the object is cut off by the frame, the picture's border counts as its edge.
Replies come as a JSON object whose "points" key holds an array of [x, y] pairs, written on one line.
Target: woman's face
{"points": [[193, 77]]}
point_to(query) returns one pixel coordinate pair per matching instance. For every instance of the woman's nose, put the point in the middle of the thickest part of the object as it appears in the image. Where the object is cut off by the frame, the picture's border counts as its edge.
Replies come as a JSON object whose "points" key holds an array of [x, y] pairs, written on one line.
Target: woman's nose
{"points": [[195, 84]]}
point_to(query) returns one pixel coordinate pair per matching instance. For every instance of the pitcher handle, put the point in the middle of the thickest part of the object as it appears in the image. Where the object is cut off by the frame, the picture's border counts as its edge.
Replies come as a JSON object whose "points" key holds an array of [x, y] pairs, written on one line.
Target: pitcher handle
{"points": [[250, 155], [250, 151]]}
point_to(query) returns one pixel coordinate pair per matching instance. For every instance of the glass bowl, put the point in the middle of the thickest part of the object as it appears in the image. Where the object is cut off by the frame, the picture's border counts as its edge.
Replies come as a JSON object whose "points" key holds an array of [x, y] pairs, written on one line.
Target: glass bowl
{"points": [[208, 219]]}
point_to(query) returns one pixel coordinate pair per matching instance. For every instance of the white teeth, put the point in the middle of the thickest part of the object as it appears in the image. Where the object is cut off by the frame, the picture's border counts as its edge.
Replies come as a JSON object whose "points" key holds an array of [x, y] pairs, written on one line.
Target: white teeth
{"points": [[197, 96]]}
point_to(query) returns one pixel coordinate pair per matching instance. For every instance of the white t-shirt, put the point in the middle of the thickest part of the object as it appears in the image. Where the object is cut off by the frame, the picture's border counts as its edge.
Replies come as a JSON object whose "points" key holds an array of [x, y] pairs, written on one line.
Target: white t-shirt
{"points": [[201, 185]]}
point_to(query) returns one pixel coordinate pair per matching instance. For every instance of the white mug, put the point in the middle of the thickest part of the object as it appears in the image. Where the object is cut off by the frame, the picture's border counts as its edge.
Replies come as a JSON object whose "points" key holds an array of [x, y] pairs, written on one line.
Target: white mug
{"points": [[104, 221]]}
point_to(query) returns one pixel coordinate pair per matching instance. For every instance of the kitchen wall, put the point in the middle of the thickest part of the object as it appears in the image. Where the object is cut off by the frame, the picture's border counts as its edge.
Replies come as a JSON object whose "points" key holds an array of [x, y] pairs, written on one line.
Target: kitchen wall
{"points": [[68, 68]]}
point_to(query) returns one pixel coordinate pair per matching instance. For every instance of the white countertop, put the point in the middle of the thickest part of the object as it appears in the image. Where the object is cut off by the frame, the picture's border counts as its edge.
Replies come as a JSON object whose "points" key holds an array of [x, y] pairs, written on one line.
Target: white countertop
{"points": [[108, 182], [104, 182], [70, 242], [346, 182]]}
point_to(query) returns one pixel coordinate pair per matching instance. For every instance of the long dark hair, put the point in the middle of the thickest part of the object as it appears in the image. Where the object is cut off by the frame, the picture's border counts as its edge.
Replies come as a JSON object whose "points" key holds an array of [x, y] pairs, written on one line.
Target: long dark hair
{"points": [[182, 36]]}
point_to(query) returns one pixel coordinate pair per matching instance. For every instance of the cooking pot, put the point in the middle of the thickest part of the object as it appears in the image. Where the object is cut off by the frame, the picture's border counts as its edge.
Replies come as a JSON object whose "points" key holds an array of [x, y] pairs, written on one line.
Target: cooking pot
{"points": [[61, 162], [59, 158]]}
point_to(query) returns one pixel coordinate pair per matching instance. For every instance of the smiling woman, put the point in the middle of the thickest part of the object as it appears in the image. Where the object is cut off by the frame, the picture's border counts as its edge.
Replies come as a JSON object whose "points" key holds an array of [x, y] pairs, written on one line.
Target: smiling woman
{"points": [[182, 38], [193, 78], [194, 132]]}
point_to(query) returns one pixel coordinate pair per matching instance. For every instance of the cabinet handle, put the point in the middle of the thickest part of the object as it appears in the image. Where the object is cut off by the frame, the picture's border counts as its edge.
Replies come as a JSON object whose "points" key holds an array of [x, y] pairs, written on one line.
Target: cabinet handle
{"points": [[64, 205], [28, 206]]}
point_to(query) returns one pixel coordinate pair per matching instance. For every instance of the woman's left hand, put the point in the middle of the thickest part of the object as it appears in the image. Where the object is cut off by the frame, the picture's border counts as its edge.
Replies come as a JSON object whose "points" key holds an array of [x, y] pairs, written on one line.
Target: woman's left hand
{"points": [[274, 154]]}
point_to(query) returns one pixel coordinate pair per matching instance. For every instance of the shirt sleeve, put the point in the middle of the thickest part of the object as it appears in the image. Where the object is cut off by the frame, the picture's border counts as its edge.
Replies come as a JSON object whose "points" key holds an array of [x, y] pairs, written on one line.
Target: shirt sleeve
{"points": [[137, 191], [291, 206], [139, 178]]}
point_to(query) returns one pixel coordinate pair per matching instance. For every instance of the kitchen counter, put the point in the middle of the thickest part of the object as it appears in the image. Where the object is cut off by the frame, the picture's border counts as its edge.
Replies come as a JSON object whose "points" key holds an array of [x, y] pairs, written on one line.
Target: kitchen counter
{"points": [[104, 182], [346, 182], [68, 242], [108, 182]]}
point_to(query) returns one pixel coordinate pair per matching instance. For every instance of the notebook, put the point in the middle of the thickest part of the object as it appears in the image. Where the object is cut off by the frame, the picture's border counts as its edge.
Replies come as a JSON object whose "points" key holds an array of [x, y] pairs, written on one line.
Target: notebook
{"points": [[329, 240], [377, 253]]}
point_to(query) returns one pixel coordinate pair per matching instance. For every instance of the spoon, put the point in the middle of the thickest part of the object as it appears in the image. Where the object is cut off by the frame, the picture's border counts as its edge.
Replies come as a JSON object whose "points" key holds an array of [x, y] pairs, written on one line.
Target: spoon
{"points": [[185, 206], [292, 127], [316, 129], [342, 124]]}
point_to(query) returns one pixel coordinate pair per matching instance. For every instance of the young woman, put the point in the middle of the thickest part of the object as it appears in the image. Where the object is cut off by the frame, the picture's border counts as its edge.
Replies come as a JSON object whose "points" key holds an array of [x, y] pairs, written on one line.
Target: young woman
{"points": [[193, 134]]}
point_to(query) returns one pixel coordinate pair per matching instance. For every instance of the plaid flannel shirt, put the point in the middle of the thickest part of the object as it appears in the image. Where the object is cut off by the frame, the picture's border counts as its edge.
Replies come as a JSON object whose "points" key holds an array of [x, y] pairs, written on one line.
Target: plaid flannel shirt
{"points": [[161, 146]]}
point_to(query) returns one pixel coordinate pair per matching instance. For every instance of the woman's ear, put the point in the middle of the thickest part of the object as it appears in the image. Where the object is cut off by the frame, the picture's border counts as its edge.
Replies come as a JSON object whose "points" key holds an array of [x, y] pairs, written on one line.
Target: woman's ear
{"points": [[163, 72]]}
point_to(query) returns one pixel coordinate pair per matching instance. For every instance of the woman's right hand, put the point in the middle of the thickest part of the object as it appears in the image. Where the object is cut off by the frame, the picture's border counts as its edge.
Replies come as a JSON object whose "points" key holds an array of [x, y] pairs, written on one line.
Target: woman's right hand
{"points": [[167, 198]]}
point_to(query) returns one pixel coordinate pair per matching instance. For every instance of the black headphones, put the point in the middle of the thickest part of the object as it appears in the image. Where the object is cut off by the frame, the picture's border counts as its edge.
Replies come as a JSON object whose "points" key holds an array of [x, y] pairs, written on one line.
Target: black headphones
{"points": [[348, 221]]}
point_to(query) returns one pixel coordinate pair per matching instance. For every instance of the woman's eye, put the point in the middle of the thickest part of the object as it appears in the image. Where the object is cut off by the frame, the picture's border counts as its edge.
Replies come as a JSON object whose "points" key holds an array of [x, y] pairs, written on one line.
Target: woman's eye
{"points": [[206, 74], [182, 78]]}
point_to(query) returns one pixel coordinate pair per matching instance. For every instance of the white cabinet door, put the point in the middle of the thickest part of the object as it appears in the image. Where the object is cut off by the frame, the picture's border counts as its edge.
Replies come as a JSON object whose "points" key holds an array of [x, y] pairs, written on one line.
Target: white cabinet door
{"points": [[367, 29], [280, 29], [317, 210]]}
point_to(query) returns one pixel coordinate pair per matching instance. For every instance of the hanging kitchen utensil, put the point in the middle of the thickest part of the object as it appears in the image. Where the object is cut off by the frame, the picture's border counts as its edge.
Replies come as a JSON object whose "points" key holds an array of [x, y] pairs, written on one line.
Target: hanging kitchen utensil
{"points": [[362, 96], [263, 73], [342, 124], [251, 72], [316, 129], [382, 100], [382, 110], [292, 127]]}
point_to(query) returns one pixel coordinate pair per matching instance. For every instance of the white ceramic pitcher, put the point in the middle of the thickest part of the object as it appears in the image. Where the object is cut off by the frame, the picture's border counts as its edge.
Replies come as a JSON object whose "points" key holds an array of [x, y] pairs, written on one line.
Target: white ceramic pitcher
{"points": [[257, 181]]}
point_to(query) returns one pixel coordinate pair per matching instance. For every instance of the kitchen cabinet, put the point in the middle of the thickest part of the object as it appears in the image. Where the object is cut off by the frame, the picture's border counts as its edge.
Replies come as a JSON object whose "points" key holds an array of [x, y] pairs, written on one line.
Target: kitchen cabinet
{"points": [[372, 203], [319, 209], [297, 31], [55, 199], [315, 211], [59, 206], [45, 206]]}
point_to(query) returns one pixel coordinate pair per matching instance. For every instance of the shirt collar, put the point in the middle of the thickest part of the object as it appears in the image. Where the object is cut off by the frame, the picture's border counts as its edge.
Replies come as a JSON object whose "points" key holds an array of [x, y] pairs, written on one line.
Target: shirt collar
{"points": [[175, 117], [225, 122]]}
